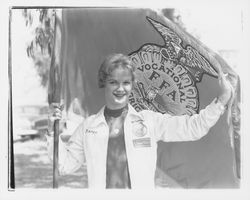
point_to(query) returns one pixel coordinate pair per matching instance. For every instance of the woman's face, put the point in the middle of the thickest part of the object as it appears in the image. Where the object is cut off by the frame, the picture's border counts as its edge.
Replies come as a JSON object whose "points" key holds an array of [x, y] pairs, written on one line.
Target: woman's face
{"points": [[118, 88]]}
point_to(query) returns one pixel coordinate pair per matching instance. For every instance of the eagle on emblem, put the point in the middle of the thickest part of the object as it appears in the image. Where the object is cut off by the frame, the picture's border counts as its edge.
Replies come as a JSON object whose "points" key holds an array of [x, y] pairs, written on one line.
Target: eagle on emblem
{"points": [[189, 57]]}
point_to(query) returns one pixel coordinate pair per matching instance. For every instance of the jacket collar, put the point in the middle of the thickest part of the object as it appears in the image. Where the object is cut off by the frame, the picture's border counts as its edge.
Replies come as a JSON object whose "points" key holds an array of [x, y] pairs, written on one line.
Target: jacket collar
{"points": [[134, 115], [100, 119]]}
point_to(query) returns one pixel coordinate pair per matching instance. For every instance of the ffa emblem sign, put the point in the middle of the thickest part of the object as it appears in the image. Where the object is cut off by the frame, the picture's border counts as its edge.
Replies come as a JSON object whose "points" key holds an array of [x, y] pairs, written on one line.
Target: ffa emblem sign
{"points": [[167, 75]]}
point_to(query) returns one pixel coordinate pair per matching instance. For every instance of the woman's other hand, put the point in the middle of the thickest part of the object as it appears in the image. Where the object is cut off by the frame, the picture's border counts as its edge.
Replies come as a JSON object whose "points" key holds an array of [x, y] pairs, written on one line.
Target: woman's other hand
{"points": [[55, 113]]}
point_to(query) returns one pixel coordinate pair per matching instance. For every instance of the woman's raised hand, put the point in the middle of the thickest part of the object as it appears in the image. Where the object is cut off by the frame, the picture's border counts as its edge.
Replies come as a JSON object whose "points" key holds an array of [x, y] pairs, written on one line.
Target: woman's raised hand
{"points": [[225, 89]]}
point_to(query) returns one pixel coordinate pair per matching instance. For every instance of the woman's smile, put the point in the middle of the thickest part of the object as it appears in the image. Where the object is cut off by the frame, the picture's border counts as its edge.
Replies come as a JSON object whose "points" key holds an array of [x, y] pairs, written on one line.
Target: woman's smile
{"points": [[119, 95]]}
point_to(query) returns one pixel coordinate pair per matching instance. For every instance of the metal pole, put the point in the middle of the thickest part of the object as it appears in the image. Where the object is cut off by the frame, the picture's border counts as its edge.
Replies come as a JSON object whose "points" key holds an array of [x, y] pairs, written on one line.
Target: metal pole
{"points": [[55, 94], [55, 154]]}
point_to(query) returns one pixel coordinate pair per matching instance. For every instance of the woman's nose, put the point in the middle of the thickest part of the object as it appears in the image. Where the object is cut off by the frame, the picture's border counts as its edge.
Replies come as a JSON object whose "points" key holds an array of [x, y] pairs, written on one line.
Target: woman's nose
{"points": [[120, 87]]}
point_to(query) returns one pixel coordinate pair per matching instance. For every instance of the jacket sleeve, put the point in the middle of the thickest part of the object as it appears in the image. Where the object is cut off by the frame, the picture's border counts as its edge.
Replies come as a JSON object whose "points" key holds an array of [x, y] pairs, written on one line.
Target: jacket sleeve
{"points": [[71, 154], [187, 128]]}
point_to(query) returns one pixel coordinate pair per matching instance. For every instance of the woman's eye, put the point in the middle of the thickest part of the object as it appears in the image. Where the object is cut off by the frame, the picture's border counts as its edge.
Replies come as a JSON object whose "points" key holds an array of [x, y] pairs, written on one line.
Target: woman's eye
{"points": [[112, 82], [126, 82]]}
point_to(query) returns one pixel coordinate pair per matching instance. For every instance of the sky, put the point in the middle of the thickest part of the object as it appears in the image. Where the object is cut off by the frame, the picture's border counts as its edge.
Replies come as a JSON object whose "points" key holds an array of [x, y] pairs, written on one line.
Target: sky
{"points": [[25, 80], [218, 28]]}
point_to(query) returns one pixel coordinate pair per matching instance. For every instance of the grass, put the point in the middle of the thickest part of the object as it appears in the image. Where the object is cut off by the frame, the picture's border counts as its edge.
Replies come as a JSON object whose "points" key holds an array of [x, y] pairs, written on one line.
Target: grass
{"points": [[33, 168]]}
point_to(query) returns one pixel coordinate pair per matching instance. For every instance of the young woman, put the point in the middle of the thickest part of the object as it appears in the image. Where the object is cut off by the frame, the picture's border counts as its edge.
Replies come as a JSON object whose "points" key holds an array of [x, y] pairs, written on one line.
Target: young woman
{"points": [[118, 144]]}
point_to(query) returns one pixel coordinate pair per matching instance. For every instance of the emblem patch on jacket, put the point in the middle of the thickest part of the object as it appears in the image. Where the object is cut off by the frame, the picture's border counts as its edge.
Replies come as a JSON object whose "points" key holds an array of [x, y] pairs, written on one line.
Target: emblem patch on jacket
{"points": [[139, 129]]}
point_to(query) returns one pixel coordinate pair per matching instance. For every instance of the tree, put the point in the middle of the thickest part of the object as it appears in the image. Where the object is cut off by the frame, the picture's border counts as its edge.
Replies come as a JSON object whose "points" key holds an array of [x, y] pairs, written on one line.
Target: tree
{"points": [[40, 48]]}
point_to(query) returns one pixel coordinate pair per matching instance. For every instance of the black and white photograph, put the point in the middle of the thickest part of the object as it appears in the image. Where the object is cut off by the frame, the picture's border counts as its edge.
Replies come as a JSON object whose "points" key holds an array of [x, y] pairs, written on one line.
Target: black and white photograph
{"points": [[126, 98]]}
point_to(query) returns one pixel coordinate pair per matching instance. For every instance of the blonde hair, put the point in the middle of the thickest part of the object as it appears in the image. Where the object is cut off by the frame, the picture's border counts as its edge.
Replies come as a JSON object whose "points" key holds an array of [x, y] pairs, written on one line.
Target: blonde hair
{"points": [[112, 62]]}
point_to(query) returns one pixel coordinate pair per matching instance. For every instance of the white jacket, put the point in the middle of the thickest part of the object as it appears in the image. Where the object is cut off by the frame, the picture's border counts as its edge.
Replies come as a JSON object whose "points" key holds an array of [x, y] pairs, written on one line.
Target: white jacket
{"points": [[142, 130]]}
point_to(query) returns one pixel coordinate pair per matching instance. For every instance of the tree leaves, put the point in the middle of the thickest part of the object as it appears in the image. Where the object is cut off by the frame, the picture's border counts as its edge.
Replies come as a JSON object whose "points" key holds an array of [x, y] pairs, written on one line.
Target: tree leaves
{"points": [[41, 46]]}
